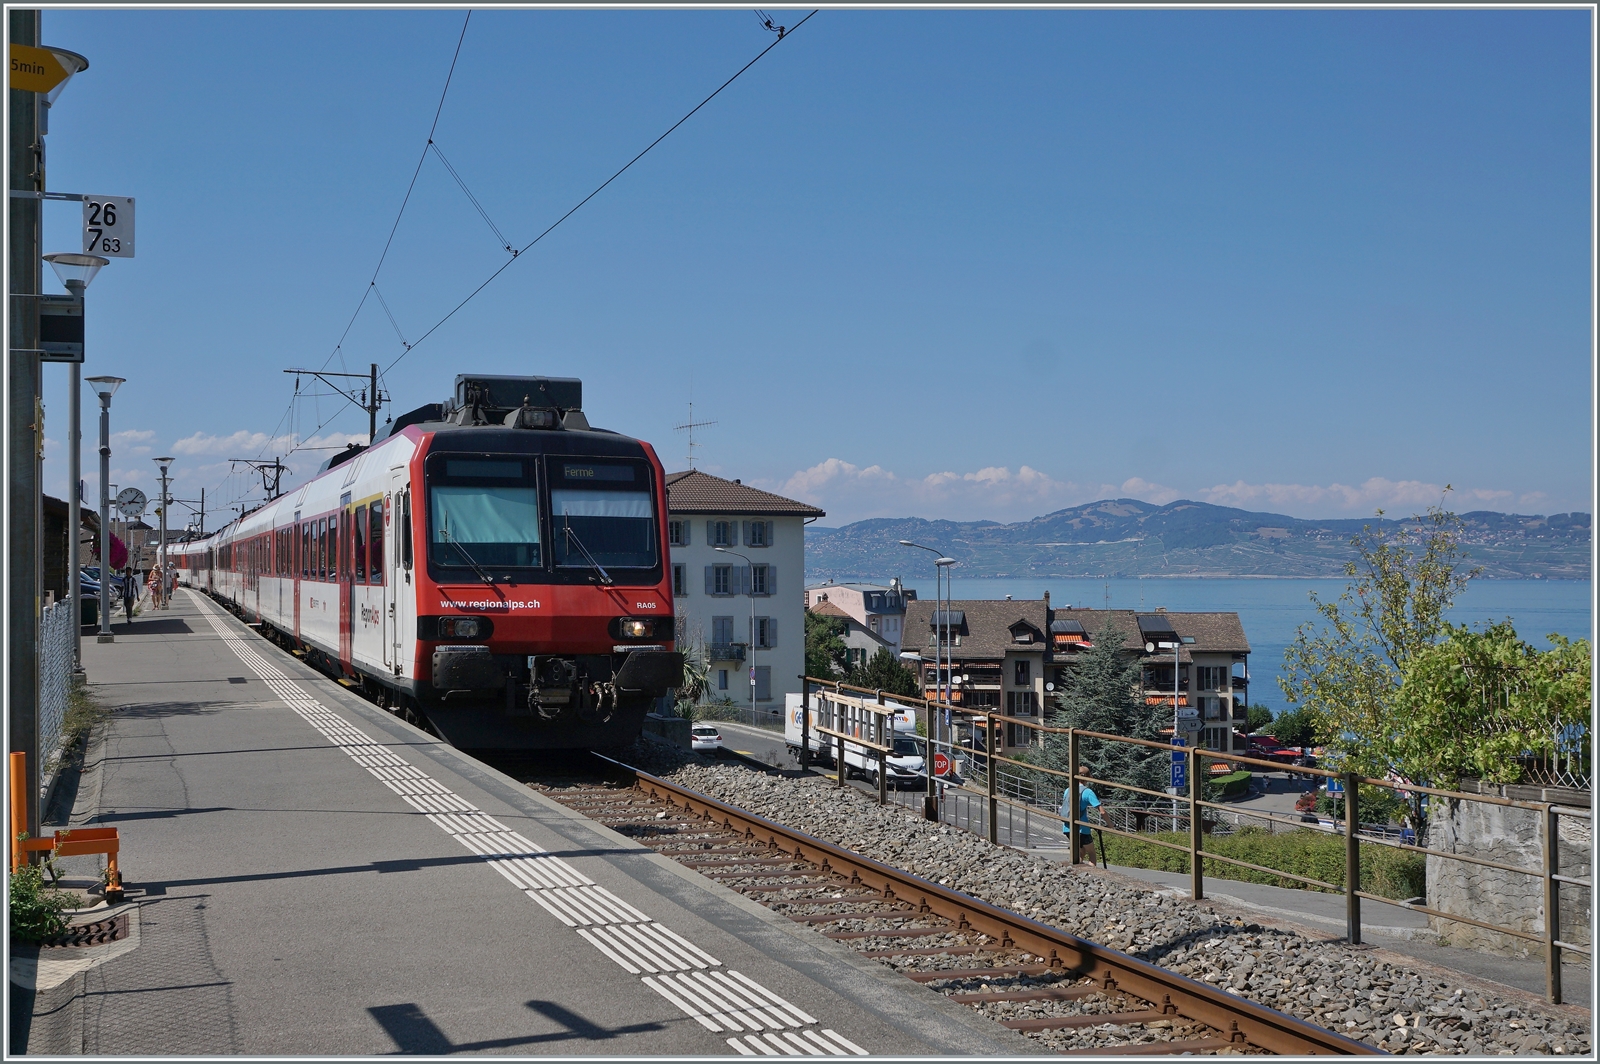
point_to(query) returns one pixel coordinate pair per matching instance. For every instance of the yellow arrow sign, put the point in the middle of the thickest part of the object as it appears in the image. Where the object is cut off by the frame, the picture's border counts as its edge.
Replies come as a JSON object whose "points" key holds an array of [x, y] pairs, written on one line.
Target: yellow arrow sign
{"points": [[35, 69]]}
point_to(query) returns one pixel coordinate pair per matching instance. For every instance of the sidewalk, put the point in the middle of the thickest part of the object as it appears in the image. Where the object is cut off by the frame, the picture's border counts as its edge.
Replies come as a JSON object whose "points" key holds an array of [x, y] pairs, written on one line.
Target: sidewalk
{"points": [[309, 875]]}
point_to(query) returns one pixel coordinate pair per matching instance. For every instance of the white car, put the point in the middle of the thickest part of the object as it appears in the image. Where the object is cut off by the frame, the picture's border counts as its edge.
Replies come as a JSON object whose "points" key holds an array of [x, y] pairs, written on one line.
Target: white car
{"points": [[705, 737]]}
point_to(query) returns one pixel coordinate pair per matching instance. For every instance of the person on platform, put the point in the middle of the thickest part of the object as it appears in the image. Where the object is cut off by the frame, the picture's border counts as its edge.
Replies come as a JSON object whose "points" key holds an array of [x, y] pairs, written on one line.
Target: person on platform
{"points": [[1087, 800], [130, 591]]}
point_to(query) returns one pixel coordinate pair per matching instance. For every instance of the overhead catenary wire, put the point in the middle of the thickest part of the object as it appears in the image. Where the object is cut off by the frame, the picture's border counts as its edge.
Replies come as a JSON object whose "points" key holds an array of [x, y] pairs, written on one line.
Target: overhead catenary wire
{"points": [[516, 254], [495, 229]]}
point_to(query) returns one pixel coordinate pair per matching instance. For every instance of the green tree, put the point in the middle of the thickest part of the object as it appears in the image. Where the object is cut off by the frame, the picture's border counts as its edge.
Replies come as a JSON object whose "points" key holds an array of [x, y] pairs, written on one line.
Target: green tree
{"points": [[1484, 703], [1347, 675], [884, 672], [1102, 693], [825, 649], [1294, 727], [1257, 719]]}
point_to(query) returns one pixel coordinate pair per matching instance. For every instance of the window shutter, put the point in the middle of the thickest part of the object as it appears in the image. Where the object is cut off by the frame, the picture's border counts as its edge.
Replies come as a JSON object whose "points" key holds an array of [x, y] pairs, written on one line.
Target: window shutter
{"points": [[746, 525], [711, 588], [683, 532], [772, 579], [772, 631], [743, 577], [711, 533]]}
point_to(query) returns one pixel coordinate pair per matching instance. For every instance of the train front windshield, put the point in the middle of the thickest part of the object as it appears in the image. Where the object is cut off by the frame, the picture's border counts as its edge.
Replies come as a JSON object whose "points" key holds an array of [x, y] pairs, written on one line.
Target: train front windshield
{"points": [[601, 513], [484, 511]]}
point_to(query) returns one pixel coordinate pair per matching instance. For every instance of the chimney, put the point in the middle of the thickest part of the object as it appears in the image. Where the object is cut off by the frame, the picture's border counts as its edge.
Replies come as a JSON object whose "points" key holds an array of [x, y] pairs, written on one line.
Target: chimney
{"points": [[1047, 599]]}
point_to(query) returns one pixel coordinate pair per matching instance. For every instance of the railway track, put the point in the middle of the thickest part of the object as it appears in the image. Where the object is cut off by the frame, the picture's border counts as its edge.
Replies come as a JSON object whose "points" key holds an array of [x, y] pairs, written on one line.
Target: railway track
{"points": [[1075, 996]]}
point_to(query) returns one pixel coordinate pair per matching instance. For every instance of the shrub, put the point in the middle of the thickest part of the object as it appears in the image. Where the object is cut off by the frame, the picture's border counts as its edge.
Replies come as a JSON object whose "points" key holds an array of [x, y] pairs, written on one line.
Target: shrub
{"points": [[37, 913], [1385, 871]]}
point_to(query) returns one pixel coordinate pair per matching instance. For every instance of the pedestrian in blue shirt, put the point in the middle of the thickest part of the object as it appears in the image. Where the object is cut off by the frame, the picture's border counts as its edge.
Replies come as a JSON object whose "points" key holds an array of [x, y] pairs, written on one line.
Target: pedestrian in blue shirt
{"points": [[1087, 800]]}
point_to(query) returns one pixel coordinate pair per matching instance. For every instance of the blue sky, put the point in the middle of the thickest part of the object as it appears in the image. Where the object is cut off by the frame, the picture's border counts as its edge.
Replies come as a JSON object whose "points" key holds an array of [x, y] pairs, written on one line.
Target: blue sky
{"points": [[952, 264]]}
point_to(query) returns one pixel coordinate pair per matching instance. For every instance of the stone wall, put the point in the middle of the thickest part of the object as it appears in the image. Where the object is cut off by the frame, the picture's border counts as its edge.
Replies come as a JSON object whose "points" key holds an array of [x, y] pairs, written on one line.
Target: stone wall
{"points": [[1513, 837]]}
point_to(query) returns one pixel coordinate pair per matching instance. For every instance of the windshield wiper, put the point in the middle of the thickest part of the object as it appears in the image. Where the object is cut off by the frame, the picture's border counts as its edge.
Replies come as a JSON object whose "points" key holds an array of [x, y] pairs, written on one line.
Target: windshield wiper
{"points": [[444, 533], [572, 537]]}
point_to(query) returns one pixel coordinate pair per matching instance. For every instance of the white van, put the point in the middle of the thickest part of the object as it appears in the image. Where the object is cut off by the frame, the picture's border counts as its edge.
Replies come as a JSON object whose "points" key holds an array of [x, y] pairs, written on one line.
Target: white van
{"points": [[905, 764]]}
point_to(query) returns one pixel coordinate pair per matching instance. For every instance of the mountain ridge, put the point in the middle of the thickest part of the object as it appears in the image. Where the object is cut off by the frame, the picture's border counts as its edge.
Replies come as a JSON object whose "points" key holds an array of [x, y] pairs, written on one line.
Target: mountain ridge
{"points": [[1129, 537]]}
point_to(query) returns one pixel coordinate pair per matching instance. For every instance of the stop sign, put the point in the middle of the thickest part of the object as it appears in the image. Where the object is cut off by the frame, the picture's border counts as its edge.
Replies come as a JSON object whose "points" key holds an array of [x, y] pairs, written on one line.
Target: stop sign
{"points": [[941, 764]]}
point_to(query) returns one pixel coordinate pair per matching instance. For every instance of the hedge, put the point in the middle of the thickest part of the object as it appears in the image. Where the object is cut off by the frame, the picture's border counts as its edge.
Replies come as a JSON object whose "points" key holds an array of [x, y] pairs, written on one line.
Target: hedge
{"points": [[1385, 871]]}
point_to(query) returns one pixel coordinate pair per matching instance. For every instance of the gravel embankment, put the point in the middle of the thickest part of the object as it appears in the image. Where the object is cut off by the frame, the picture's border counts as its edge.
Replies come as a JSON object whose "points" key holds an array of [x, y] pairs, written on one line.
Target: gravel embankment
{"points": [[1342, 988]]}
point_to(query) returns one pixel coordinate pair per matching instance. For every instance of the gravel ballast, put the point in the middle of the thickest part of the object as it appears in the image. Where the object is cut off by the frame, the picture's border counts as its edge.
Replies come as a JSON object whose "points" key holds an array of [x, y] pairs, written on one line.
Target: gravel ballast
{"points": [[1346, 989]]}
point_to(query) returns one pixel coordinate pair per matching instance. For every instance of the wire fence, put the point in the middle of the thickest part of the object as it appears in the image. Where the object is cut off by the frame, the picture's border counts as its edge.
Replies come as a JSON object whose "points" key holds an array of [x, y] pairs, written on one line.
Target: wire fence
{"points": [[55, 674]]}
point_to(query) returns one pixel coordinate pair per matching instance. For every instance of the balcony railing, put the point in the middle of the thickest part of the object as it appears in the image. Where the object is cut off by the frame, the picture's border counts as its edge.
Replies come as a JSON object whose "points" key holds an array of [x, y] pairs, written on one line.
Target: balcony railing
{"points": [[725, 651]]}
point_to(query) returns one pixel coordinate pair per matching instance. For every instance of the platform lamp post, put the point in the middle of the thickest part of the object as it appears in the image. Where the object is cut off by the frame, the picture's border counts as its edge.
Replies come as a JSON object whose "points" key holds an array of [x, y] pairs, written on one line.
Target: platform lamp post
{"points": [[752, 565], [105, 388], [941, 672], [1177, 671], [161, 511], [75, 273]]}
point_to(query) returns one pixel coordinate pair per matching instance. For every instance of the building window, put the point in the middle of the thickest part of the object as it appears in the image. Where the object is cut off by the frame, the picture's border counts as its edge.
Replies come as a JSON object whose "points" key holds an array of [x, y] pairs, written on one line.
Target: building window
{"points": [[1021, 704], [761, 580], [1214, 738], [763, 683], [758, 533], [766, 632], [680, 582], [678, 533], [720, 533], [1211, 677], [872, 623], [722, 679], [1023, 672], [722, 630], [721, 579]]}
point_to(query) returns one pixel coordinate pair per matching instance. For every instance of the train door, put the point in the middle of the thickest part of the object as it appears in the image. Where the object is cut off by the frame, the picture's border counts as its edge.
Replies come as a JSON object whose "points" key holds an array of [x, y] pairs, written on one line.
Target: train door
{"points": [[347, 588], [394, 585]]}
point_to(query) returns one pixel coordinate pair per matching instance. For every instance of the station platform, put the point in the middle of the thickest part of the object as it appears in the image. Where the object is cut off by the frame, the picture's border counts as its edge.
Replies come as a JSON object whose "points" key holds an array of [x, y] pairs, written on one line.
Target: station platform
{"points": [[308, 875]]}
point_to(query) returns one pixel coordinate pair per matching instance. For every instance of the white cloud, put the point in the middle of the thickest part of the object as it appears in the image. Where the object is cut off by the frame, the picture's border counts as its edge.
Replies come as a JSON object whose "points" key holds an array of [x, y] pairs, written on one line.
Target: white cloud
{"points": [[1374, 493]]}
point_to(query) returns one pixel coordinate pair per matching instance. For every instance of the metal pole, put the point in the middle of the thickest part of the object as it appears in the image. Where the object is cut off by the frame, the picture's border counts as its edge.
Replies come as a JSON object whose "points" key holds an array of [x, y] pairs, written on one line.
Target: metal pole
{"points": [[883, 757], [1197, 886], [1552, 906], [994, 819], [372, 407], [1352, 859], [75, 510], [838, 726], [161, 551], [1073, 842], [105, 635], [805, 724], [23, 503]]}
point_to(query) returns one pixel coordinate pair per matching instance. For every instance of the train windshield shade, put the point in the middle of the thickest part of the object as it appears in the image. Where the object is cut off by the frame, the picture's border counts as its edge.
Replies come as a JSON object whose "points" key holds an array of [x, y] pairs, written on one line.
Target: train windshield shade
{"points": [[484, 508], [615, 527]]}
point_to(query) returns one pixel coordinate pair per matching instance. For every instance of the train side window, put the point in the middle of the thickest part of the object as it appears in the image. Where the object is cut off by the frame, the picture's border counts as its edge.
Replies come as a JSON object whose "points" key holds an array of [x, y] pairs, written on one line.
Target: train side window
{"points": [[305, 549], [405, 529], [319, 562], [333, 548], [358, 555], [375, 543]]}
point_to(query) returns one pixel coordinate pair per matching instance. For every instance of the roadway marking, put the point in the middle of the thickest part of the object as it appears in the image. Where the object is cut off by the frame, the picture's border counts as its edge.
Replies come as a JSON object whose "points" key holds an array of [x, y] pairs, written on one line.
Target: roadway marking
{"points": [[691, 979]]}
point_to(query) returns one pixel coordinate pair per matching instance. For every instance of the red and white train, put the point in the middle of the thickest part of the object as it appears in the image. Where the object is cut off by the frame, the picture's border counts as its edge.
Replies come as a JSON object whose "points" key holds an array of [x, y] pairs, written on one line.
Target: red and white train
{"points": [[491, 564]]}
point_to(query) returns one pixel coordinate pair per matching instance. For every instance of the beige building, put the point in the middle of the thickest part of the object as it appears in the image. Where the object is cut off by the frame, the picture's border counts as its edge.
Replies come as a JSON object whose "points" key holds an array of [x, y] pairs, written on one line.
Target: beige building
{"points": [[743, 607], [878, 609]]}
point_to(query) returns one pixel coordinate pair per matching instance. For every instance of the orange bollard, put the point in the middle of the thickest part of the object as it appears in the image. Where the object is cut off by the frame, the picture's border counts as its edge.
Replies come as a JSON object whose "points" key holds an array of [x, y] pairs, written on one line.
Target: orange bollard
{"points": [[19, 808]]}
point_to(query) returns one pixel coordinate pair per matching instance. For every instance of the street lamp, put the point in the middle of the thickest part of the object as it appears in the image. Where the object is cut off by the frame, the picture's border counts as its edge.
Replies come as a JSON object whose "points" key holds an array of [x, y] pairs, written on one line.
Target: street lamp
{"points": [[161, 551], [75, 272], [105, 388], [1177, 650], [736, 554], [942, 628]]}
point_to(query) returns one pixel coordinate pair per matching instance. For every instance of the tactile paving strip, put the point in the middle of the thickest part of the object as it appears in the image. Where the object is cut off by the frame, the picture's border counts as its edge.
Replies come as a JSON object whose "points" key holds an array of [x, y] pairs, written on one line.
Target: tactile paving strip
{"points": [[698, 984]]}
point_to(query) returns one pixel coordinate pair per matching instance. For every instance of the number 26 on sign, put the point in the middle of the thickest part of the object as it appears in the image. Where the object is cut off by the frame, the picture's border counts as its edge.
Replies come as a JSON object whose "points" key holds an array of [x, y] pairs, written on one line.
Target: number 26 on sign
{"points": [[108, 226]]}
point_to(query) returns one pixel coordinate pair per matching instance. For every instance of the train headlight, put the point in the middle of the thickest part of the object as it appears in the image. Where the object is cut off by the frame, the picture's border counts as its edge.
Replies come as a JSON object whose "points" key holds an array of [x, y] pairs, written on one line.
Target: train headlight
{"points": [[640, 627], [464, 627]]}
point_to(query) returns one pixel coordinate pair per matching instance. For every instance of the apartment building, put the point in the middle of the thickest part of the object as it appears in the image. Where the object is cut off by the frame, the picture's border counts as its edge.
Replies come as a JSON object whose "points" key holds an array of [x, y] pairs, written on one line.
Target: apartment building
{"points": [[878, 609], [1012, 655], [741, 607]]}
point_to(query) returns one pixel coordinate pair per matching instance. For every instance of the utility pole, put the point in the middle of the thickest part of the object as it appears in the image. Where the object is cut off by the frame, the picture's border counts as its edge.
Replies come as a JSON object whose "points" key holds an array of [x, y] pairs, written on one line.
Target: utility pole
{"points": [[271, 475], [23, 438], [368, 399], [161, 555]]}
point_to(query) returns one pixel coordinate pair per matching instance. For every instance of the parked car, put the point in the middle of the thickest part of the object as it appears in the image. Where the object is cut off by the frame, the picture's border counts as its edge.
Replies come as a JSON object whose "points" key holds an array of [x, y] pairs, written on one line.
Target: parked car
{"points": [[91, 574], [705, 737]]}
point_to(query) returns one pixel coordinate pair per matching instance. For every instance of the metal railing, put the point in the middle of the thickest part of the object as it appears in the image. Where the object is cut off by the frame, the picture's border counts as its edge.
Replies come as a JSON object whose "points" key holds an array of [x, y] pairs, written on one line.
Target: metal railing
{"points": [[55, 675], [956, 792]]}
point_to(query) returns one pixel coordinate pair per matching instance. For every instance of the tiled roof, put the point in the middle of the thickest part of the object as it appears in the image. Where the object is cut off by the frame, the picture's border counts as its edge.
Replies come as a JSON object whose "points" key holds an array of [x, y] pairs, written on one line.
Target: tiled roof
{"points": [[828, 609], [694, 492], [988, 629]]}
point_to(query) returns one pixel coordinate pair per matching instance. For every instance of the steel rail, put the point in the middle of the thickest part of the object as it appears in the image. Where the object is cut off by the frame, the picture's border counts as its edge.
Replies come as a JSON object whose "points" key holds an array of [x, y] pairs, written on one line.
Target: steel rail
{"points": [[1238, 1019]]}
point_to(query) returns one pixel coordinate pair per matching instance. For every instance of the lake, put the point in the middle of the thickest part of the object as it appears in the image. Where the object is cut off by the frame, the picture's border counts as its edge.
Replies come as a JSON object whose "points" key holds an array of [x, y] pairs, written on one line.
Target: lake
{"points": [[1271, 610]]}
